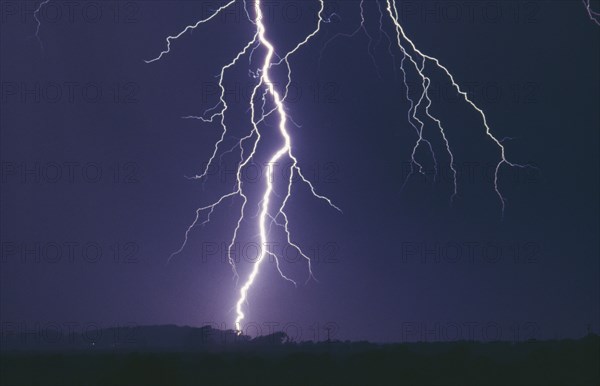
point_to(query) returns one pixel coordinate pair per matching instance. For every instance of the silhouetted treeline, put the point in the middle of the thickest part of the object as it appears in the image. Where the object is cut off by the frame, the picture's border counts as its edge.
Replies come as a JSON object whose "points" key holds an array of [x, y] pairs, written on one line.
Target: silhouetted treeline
{"points": [[170, 355]]}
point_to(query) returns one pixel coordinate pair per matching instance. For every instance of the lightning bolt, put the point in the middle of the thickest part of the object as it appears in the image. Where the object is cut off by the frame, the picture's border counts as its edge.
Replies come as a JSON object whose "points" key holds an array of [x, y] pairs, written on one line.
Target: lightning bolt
{"points": [[38, 22], [268, 99], [594, 16], [265, 88], [424, 59], [362, 28]]}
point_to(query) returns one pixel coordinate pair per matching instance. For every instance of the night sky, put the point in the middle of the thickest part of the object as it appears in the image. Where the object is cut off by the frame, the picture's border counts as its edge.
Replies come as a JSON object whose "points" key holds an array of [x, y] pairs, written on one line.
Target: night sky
{"points": [[94, 157]]}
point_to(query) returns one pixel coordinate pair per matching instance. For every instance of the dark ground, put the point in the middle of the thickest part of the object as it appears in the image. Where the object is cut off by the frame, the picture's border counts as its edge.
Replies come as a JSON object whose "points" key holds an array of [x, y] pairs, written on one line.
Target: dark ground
{"points": [[200, 356]]}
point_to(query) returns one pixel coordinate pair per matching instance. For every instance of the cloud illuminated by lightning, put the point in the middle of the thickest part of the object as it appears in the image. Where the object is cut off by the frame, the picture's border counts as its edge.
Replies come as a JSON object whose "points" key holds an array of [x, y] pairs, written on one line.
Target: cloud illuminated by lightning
{"points": [[419, 117]]}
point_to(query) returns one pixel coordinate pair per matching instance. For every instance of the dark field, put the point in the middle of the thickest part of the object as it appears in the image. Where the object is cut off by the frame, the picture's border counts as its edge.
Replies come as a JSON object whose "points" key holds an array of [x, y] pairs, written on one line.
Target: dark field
{"points": [[272, 360]]}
